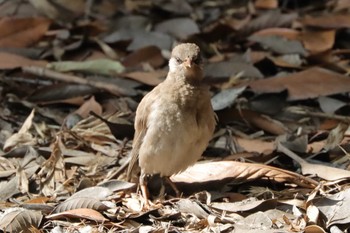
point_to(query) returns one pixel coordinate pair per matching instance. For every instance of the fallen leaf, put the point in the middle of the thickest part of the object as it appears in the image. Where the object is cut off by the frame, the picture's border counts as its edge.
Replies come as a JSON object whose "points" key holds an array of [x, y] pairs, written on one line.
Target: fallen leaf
{"points": [[23, 137], [335, 208], [22, 32], [226, 98], [330, 21], [266, 4], [323, 171], [181, 28], [140, 39], [89, 106], [307, 84], [290, 34], [151, 55], [228, 69], [151, 78], [317, 41], [11, 61], [279, 44], [100, 66], [221, 170], [84, 213]]}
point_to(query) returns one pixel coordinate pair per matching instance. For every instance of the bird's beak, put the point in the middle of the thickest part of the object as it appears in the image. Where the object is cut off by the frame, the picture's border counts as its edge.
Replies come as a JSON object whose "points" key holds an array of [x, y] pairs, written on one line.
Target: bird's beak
{"points": [[188, 63]]}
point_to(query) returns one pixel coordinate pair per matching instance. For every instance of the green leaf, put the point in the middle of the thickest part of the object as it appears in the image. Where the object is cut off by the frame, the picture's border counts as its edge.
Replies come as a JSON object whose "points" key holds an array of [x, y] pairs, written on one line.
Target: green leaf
{"points": [[99, 66]]}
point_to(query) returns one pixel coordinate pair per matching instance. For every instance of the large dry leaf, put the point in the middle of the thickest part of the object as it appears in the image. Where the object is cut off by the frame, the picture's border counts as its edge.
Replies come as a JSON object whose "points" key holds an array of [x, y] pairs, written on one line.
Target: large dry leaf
{"points": [[245, 205], [181, 28], [226, 98], [336, 136], [279, 44], [290, 34], [256, 119], [19, 220], [22, 32], [11, 61], [99, 193], [23, 137], [89, 106], [335, 208], [255, 145], [61, 93], [151, 55], [325, 172], [270, 19], [85, 213], [151, 78], [140, 38], [227, 69], [266, 4], [192, 207], [307, 84], [327, 21], [210, 171], [318, 41], [80, 202], [9, 188], [330, 105]]}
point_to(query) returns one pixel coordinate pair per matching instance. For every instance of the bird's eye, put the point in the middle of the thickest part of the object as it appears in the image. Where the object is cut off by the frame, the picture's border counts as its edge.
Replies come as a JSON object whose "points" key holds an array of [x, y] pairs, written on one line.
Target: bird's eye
{"points": [[178, 60]]}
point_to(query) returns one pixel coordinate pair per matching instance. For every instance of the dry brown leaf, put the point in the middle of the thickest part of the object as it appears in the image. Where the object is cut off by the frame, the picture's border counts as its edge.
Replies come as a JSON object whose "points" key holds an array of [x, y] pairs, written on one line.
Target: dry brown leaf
{"points": [[307, 84], [287, 33], [89, 106], [314, 229], [180, 28], [150, 54], [336, 136], [330, 21], [256, 145], [11, 61], [80, 202], [244, 205], [79, 214], [18, 219], [270, 19], [59, 10], [151, 78], [316, 41], [256, 119], [210, 171], [21, 33], [335, 208], [52, 173], [325, 172], [266, 4], [23, 137]]}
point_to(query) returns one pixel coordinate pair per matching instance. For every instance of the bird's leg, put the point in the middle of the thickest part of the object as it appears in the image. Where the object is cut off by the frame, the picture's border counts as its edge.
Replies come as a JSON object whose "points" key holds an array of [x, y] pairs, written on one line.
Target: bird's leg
{"points": [[144, 189], [173, 186]]}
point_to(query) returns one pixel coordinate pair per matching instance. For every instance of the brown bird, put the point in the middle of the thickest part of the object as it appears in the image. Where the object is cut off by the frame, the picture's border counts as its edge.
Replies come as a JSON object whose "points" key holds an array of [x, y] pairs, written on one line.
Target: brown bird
{"points": [[175, 121]]}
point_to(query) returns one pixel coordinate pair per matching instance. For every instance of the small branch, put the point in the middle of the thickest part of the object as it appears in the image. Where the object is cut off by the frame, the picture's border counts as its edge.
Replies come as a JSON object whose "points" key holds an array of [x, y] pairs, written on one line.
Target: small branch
{"points": [[322, 115], [43, 72]]}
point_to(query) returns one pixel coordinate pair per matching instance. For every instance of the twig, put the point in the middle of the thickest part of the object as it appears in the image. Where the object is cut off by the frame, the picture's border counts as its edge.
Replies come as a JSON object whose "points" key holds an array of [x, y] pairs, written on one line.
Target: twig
{"points": [[43, 72], [322, 115], [290, 154]]}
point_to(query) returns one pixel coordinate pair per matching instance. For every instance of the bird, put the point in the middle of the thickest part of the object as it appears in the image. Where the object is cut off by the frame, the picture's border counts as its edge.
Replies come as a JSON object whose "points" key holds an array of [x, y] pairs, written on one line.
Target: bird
{"points": [[175, 121]]}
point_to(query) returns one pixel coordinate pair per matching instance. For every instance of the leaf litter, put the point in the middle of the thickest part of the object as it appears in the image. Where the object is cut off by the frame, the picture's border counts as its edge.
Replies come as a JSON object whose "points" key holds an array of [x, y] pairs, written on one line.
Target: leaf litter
{"points": [[73, 72]]}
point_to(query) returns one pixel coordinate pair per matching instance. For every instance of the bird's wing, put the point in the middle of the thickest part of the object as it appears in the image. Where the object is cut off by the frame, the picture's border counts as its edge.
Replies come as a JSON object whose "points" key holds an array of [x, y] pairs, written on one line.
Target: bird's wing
{"points": [[142, 113]]}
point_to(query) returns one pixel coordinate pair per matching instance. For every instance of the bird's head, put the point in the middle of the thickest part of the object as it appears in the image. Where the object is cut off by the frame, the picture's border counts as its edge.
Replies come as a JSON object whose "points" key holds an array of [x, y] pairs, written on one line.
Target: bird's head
{"points": [[186, 61]]}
